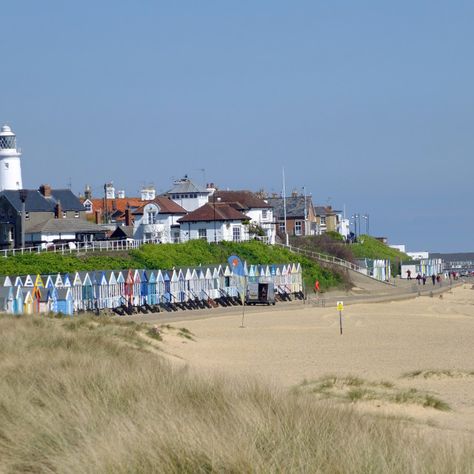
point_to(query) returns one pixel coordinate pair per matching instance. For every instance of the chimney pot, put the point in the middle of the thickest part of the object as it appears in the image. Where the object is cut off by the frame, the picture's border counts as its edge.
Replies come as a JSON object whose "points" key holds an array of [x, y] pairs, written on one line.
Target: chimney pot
{"points": [[45, 190]]}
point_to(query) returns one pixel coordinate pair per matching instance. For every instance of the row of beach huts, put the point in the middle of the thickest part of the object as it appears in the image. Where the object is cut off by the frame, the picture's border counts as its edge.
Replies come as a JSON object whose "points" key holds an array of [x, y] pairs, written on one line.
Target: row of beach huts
{"points": [[125, 291]]}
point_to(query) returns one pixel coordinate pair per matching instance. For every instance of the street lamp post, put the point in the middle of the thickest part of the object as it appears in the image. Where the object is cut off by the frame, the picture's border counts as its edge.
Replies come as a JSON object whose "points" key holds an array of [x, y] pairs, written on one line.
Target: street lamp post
{"points": [[356, 217], [367, 229], [23, 196]]}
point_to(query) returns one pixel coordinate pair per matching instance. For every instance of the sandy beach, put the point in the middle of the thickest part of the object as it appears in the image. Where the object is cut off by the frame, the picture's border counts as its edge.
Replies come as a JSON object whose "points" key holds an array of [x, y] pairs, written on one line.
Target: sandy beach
{"points": [[285, 346]]}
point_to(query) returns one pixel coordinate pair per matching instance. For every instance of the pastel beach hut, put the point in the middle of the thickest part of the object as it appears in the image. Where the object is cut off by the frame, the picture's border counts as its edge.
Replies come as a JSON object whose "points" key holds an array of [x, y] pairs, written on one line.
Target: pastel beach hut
{"points": [[167, 286], [129, 287], [152, 297], [17, 295], [76, 289], [28, 300], [121, 277], [137, 280], [44, 300], [64, 301], [182, 294], [88, 297], [203, 294], [174, 286], [144, 288], [101, 289], [209, 283], [113, 290], [6, 299], [160, 286]]}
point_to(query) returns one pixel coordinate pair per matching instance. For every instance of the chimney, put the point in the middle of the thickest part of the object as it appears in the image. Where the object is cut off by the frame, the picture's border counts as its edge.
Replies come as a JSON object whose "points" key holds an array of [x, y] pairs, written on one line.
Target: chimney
{"points": [[121, 194], [45, 190], [88, 192], [128, 217], [97, 217], [58, 212]]}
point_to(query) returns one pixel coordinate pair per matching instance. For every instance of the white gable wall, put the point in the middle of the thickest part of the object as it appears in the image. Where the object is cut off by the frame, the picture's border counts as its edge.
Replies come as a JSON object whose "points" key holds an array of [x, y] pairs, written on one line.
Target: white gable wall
{"points": [[217, 231]]}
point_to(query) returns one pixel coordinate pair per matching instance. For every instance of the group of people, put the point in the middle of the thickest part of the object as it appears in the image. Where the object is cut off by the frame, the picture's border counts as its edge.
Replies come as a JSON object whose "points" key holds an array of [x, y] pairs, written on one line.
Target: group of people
{"points": [[422, 278]]}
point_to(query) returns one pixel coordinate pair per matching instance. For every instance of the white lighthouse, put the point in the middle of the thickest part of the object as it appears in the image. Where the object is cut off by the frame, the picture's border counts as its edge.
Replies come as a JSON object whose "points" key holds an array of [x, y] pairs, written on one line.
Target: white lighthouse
{"points": [[10, 166]]}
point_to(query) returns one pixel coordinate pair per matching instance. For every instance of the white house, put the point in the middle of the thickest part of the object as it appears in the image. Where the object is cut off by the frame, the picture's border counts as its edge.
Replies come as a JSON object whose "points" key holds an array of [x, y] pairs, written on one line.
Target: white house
{"points": [[188, 195], [258, 211], [214, 222], [158, 220]]}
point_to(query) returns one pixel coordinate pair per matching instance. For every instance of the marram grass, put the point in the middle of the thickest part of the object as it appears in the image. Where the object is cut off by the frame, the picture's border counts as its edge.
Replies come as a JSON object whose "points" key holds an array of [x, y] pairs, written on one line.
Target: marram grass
{"points": [[95, 396]]}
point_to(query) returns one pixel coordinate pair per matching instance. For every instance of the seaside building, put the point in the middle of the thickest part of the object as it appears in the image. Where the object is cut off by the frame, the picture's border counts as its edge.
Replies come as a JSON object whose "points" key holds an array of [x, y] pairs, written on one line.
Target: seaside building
{"points": [[300, 216], [189, 195], [262, 225], [51, 216], [214, 222], [10, 166]]}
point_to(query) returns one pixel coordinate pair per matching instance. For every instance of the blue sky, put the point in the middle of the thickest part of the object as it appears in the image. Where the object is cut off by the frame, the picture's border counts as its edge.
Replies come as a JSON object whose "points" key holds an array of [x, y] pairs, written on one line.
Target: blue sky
{"points": [[367, 104]]}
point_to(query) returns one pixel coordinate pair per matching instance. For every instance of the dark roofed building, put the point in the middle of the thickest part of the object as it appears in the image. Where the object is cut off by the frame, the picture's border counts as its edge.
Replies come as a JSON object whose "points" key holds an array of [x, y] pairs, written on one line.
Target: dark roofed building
{"points": [[41, 206], [214, 222], [258, 210], [300, 218]]}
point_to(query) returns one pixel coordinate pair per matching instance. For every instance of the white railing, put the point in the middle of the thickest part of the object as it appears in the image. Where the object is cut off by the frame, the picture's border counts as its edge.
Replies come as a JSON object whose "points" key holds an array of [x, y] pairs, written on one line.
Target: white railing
{"points": [[79, 247], [321, 257]]}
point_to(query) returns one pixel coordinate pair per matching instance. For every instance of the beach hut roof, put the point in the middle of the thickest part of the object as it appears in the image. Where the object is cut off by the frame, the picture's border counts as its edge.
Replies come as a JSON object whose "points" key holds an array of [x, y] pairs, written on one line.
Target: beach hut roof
{"points": [[28, 281], [64, 294]]}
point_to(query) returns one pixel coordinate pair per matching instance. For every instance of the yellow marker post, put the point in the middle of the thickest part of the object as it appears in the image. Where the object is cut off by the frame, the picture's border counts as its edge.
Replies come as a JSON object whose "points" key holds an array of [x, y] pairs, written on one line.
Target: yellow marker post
{"points": [[340, 308]]}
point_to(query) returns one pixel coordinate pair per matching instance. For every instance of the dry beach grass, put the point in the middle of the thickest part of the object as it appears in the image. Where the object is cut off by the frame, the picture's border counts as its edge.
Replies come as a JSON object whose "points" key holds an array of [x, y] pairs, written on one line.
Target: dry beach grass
{"points": [[96, 395]]}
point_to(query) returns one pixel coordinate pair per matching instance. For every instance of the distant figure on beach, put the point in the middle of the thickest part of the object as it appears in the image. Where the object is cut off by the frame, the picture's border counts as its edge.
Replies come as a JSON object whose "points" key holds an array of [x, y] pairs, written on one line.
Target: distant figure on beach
{"points": [[424, 279], [418, 279], [408, 274], [433, 278]]}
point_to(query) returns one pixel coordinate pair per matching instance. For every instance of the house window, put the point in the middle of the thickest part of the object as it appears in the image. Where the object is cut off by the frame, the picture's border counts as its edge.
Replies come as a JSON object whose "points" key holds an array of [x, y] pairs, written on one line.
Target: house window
{"points": [[264, 214], [76, 214], [202, 233], [323, 220], [281, 226], [88, 206], [64, 214], [7, 165], [298, 227], [236, 234], [152, 217], [27, 215]]}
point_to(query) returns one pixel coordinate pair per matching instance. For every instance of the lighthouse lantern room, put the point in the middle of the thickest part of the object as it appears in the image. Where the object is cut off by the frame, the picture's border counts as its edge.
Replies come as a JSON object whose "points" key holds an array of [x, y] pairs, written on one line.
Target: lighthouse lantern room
{"points": [[10, 166]]}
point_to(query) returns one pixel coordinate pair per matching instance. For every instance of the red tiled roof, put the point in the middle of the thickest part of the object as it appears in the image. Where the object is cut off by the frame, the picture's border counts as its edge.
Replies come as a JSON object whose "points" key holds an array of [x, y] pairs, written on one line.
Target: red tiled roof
{"points": [[166, 205], [245, 199], [209, 212], [121, 204]]}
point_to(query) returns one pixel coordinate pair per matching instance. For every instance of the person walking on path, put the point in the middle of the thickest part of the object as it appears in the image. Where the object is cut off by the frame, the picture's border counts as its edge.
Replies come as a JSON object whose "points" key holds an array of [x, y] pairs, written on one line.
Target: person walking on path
{"points": [[433, 279], [408, 274], [418, 278], [316, 287], [424, 279]]}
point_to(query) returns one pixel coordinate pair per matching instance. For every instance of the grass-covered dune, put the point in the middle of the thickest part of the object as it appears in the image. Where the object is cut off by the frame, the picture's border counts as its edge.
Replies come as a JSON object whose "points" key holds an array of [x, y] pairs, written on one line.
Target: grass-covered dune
{"points": [[167, 256], [95, 396]]}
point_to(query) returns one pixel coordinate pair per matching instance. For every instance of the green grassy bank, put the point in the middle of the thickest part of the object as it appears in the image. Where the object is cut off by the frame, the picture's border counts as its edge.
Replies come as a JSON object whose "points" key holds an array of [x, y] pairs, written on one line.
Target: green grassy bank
{"points": [[167, 256]]}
